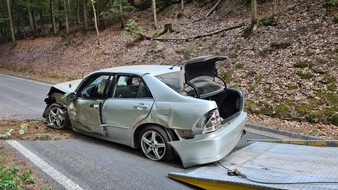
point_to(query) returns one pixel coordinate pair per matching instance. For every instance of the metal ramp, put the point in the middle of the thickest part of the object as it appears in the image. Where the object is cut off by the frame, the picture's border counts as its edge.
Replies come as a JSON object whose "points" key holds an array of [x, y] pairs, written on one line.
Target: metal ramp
{"points": [[270, 165]]}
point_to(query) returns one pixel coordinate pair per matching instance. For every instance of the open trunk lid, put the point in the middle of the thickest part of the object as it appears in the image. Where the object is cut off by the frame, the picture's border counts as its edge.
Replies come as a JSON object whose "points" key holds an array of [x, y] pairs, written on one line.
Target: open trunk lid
{"points": [[200, 72]]}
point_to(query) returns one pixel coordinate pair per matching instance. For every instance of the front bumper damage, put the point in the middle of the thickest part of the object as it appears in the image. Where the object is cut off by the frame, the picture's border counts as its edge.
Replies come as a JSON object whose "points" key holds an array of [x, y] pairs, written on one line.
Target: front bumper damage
{"points": [[211, 147]]}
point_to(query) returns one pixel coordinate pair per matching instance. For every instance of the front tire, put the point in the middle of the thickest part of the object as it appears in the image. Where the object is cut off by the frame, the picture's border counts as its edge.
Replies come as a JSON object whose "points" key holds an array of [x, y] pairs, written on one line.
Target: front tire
{"points": [[154, 144], [57, 116]]}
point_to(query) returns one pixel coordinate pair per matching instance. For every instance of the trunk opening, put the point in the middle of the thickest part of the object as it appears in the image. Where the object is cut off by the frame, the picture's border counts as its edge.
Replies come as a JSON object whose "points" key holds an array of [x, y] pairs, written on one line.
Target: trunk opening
{"points": [[230, 103]]}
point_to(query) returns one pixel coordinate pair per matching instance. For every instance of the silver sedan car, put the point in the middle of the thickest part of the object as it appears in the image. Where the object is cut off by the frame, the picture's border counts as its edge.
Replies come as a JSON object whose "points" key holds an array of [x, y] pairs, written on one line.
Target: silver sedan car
{"points": [[166, 111]]}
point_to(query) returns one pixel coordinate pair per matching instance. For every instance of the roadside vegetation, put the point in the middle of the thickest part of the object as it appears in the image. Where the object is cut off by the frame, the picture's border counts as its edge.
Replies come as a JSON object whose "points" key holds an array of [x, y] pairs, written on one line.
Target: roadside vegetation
{"points": [[17, 175], [14, 173]]}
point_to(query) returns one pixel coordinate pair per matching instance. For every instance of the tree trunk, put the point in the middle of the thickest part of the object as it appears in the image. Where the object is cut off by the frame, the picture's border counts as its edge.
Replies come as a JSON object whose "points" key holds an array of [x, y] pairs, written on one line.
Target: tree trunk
{"points": [[69, 13], [95, 21], [30, 16], [182, 5], [11, 22], [85, 14], [154, 12], [66, 11], [121, 16], [52, 15], [254, 17], [78, 11]]}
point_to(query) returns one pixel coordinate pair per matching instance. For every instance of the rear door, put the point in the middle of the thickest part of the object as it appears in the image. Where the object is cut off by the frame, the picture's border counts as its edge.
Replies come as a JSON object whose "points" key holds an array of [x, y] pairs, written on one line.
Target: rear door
{"points": [[129, 103]]}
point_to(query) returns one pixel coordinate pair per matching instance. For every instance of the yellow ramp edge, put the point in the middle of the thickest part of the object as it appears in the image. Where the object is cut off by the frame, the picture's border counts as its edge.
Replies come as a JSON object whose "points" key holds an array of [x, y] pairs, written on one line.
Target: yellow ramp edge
{"points": [[320, 143], [208, 184], [302, 167]]}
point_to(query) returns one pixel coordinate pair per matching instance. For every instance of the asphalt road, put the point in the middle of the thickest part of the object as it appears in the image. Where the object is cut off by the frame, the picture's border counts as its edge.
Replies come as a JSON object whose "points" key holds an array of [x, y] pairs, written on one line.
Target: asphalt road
{"points": [[89, 163], [21, 98]]}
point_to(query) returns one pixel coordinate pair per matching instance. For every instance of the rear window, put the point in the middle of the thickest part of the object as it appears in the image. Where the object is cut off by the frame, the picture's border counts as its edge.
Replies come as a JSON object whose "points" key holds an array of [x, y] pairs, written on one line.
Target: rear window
{"points": [[204, 84]]}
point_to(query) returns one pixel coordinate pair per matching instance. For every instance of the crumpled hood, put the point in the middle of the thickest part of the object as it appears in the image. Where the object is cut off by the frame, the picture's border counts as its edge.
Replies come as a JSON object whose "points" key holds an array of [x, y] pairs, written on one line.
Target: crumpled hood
{"points": [[69, 86]]}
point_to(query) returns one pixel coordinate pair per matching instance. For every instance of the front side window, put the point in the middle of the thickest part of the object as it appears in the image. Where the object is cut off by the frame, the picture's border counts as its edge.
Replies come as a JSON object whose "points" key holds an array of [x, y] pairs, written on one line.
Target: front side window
{"points": [[95, 88], [131, 87]]}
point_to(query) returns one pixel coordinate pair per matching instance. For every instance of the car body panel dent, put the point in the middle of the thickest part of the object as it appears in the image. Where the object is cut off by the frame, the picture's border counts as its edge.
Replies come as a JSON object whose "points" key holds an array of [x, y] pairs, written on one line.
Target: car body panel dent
{"points": [[210, 147]]}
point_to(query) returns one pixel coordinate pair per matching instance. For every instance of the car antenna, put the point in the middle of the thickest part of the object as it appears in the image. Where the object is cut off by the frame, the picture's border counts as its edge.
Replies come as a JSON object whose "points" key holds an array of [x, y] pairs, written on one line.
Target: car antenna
{"points": [[171, 68]]}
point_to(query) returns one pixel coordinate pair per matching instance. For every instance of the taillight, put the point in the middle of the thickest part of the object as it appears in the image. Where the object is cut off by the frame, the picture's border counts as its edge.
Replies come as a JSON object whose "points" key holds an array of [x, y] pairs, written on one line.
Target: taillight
{"points": [[209, 122]]}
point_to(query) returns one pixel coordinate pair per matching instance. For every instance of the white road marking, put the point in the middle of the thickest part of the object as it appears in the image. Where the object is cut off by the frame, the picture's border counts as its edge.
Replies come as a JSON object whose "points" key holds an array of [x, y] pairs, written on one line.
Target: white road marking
{"points": [[56, 175]]}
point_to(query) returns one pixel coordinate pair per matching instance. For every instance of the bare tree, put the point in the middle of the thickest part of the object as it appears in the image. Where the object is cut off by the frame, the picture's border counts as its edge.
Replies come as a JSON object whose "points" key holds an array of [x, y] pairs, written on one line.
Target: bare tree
{"points": [[85, 14], [154, 12], [95, 21], [254, 17], [11, 22], [31, 17], [66, 8], [52, 15]]}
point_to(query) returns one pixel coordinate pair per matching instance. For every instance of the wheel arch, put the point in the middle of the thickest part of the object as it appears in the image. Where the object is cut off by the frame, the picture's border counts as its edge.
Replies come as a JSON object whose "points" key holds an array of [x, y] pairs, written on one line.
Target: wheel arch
{"points": [[170, 132]]}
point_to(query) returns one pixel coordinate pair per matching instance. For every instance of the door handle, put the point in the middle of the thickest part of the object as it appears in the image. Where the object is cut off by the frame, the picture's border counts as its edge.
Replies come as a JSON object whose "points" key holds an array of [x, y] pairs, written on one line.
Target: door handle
{"points": [[94, 106], [141, 106]]}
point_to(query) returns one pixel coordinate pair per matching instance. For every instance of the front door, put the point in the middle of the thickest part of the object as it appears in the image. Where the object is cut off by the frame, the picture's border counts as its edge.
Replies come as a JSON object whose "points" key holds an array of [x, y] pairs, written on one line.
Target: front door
{"points": [[85, 110]]}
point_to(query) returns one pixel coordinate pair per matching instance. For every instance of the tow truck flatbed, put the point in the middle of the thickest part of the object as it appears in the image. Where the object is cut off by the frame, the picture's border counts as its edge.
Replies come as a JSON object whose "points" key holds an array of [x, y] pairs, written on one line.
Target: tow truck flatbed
{"points": [[270, 165]]}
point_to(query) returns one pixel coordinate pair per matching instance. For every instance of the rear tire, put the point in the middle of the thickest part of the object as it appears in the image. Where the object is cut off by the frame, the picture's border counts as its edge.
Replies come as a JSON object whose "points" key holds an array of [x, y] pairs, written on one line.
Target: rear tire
{"points": [[57, 116], [154, 144]]}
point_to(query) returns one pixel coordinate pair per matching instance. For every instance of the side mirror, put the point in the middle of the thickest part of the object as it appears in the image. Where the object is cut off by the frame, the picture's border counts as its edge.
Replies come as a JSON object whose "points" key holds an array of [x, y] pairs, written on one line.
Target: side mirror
{"points": [[71, 96]]}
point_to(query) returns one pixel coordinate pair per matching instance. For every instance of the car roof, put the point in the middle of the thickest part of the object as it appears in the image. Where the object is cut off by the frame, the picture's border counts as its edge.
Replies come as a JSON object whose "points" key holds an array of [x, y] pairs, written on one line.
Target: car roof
{"points": [[143, 69]]}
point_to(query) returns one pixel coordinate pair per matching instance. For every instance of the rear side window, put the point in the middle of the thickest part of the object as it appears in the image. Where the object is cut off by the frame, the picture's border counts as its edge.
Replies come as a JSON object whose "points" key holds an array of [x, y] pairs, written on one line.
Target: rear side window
{"points": [[203, 84], [131, 87], [171, 79]]}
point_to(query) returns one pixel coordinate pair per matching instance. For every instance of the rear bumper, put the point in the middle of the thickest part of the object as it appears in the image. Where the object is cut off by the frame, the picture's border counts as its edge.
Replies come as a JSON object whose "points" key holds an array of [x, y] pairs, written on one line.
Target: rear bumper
{"points": [[210, 147]]}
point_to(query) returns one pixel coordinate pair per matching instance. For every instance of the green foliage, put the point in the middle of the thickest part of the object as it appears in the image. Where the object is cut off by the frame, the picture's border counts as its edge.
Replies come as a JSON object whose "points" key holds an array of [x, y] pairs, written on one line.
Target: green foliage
{"points": [[239, 66], [24, 128], [335, 20], [227, 76], [185, 52], [7, 134], [11, 179], [282, 110], [269, 21], [259, 78], [26, 178], [119, 10], [303, 64], [303, 75], [132, 29], [8, 179], [44, 137], [319, 71], [331, 2], [247, 32], [328, 79], [294, 87]]}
